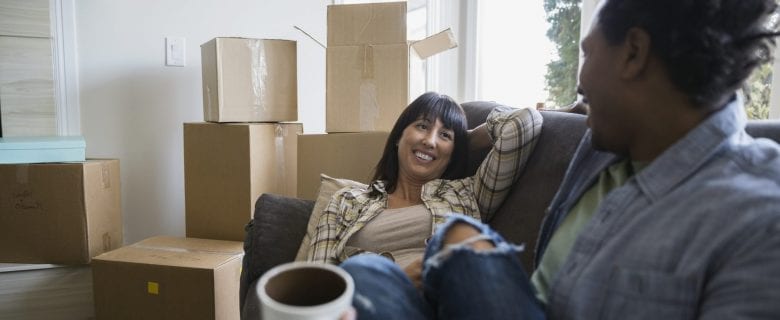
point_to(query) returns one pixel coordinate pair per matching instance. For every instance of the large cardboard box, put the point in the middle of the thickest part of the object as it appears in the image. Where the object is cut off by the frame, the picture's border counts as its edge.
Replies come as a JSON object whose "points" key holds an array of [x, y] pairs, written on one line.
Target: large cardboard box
{"points": [[340, 155], [59, 213], [249, 80], [368, 65], [228, 166], [169, 278]]}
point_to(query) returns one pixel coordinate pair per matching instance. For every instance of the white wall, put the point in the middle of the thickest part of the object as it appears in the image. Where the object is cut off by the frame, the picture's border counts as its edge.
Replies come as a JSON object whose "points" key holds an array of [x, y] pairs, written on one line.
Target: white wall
{"points": [[133, 106]]}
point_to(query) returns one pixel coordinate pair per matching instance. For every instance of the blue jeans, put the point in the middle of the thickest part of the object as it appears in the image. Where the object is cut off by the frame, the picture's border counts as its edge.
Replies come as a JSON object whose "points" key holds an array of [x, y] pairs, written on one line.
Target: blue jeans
{"points": [[458, 282]]}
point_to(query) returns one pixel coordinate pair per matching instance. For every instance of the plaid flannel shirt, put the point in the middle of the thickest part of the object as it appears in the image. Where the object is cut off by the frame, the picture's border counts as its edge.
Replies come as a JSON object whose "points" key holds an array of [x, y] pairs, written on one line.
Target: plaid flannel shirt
{"points": [[514, 133]]}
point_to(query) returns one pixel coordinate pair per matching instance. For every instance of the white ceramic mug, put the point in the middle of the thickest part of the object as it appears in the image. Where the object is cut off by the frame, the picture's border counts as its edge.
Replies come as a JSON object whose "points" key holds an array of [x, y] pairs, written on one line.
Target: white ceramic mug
{"points": [[305, 291]]}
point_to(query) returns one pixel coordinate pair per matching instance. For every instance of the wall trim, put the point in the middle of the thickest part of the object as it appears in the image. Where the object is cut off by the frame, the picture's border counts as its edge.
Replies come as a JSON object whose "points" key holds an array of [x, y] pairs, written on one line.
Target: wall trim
{"points": [[65, 66], [470, 14]]}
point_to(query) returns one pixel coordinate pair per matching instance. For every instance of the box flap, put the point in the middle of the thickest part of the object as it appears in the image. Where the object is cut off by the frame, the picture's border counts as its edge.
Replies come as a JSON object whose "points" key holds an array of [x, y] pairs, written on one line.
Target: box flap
{"points": [[435, 44], [177, 252], [54, 142], [374, 23]]}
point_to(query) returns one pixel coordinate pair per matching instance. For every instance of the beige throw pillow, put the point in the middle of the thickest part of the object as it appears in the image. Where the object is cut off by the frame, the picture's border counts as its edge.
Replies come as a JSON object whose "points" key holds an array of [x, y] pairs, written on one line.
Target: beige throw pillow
{"points": [[328, 186]]}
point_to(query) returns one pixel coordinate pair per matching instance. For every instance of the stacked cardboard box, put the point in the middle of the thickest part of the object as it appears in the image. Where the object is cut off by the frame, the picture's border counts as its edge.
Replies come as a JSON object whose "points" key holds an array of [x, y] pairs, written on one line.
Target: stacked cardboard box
{"points": [[340, 155], [228, 166], [57, 211], [249, 146], [60, 213], [367, 89], [368, 65], [243, 150], [249, 80]]}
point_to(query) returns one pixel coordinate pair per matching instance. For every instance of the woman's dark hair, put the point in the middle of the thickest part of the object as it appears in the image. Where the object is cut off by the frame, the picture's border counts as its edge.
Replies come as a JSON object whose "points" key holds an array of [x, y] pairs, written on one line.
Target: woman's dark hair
{"points": [[709, 47], [431, 106]]}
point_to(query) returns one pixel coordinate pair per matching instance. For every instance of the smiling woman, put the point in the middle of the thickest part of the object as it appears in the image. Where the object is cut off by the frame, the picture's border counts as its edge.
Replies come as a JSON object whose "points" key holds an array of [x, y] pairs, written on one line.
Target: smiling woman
{"points": [[415, 129], [419, 182]]}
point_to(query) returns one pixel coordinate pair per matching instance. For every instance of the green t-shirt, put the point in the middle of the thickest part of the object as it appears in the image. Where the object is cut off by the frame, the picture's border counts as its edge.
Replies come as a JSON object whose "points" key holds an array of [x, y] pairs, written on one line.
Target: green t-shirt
{"points": [[563, 239]]}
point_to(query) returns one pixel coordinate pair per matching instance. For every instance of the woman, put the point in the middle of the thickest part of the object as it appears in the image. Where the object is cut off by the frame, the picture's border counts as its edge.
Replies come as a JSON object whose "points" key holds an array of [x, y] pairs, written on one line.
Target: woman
{"points": [[419, 182]]}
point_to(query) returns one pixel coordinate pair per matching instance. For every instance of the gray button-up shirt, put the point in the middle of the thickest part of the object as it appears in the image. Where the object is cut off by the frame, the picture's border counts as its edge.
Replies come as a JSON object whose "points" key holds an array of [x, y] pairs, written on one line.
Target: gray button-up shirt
{"points": [[695, 235]]}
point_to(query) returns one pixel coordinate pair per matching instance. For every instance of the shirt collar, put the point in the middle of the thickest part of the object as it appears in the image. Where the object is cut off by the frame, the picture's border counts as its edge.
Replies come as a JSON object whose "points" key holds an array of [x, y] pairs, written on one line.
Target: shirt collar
{"points": [[684, 157], [379, 186], [429, 188]]}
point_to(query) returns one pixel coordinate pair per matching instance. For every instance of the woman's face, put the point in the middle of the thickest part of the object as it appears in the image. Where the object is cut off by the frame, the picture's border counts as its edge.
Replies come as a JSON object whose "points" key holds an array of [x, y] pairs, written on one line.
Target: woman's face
{"points": [[424, 150]]}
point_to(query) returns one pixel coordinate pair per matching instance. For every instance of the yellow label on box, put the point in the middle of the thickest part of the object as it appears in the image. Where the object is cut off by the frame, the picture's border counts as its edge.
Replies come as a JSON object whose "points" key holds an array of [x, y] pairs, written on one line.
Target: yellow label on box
{"points": [[153, 287]]}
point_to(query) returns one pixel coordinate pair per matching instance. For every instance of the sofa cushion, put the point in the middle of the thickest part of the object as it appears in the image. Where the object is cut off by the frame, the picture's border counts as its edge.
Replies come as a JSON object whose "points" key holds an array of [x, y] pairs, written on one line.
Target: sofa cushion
{"points": [[328, 186], [272, 236]]}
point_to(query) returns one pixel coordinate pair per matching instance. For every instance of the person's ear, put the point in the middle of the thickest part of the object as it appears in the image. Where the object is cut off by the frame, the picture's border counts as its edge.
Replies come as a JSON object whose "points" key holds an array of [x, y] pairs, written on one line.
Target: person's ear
{"points": [[636, 53]]}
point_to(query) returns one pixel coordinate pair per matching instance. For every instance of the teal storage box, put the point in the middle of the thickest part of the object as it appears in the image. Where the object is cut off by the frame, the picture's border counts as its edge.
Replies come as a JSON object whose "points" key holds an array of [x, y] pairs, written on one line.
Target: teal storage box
{"points": [[42, 149]]}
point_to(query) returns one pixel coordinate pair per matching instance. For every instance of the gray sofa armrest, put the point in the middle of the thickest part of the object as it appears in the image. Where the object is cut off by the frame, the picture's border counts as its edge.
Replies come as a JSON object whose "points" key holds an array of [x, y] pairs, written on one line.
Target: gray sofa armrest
{"points": [[272, 236], [519, 217], [764, 129]]}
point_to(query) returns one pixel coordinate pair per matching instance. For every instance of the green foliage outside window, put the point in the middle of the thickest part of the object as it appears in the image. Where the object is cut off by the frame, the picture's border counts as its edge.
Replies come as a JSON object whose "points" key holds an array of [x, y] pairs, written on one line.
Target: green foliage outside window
{"points": [[757, 91], [564, 31], [561, 77]]}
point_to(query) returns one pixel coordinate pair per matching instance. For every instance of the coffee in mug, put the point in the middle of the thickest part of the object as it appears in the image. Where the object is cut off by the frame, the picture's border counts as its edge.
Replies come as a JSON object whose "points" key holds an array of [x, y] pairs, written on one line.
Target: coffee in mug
{"points": [[305, 291]]}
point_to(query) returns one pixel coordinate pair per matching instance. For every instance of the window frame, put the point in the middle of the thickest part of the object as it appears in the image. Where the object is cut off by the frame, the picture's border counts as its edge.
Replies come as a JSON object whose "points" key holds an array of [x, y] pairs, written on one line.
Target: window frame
{"points": [[62, 15]]}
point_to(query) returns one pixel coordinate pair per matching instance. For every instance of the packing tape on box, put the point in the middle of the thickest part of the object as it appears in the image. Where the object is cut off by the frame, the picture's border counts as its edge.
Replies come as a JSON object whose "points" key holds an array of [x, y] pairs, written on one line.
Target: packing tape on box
{"points": [[105, 174], [22, 173], [183, 250], [209, 107], [369, 105], [259, 76], [107, 242], [279, 137]]}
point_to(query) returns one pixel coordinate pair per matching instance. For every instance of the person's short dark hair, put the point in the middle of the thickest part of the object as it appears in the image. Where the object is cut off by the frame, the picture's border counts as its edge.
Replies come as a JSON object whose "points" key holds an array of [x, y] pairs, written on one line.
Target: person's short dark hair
{"points": [[431, 106], [709, 47]]}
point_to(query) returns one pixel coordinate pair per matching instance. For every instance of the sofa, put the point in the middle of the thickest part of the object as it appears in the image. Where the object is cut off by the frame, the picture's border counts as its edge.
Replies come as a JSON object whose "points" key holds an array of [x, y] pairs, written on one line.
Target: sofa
{"points": [[279, 223]]}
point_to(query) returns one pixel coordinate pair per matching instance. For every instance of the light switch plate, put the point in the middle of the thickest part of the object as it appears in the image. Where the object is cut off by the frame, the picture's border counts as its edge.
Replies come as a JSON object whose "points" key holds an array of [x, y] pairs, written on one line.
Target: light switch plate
{"points": [[175, 51]]}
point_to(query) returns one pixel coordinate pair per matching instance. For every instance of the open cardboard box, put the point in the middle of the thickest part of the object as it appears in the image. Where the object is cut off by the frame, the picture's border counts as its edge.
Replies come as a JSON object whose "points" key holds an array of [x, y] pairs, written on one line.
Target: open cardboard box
{"points": [[368, 65]]}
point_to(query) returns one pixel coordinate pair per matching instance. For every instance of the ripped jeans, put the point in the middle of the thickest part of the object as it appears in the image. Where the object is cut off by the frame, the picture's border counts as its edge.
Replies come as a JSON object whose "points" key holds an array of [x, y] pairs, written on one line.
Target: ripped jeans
{"points": [[458, 282]]}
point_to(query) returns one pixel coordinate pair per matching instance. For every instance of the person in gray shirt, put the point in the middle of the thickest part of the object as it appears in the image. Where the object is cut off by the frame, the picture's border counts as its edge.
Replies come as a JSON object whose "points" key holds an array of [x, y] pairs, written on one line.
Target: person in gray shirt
{"points": [[668, 210]]}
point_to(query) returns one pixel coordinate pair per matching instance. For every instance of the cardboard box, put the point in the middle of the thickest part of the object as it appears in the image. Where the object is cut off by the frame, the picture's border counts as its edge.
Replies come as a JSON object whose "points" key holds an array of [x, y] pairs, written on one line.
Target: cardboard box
{"points": [[368, 65], [42, 149], [59, 213], [249, 80], [228, 166], [340, 155], [169, 278]]}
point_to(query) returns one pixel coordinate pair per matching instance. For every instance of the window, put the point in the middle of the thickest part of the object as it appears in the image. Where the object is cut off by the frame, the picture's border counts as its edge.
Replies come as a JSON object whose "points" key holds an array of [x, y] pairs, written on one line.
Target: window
{"points": [[525, 53], [514, 53]]}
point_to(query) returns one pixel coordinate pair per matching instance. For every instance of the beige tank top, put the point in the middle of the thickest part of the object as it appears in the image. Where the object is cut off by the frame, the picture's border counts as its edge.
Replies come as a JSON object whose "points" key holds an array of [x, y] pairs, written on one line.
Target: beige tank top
{"points": [[400, 232]]}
